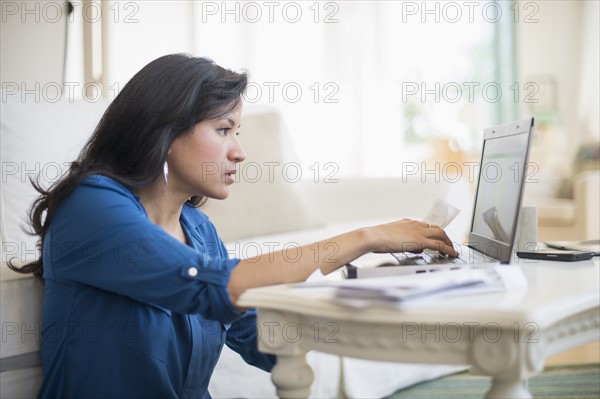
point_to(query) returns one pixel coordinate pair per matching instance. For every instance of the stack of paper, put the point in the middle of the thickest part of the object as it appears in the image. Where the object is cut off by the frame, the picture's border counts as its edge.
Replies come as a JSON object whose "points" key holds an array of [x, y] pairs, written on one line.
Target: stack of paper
{"points": [[402, 288], [399, 289]]}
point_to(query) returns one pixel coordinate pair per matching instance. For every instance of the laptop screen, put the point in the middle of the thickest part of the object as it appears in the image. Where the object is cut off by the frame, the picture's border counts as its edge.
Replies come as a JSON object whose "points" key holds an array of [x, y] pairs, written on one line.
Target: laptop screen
{"points": [[500, 187]]}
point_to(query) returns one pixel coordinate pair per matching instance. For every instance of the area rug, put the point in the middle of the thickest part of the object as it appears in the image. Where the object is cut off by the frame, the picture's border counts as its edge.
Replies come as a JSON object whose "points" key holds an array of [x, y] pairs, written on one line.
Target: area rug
{"points": [[580, 381]]}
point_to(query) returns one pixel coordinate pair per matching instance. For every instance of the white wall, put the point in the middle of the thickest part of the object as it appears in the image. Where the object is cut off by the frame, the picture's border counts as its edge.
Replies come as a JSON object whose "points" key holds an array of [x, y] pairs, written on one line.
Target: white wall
{"points": [[562, 45], [32, 42], [133, 34], [138, 32]]}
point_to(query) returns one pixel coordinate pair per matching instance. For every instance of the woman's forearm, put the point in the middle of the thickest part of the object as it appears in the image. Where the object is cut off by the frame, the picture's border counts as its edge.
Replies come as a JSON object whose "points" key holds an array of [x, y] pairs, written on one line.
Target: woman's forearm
{"points": [[297, 263]]}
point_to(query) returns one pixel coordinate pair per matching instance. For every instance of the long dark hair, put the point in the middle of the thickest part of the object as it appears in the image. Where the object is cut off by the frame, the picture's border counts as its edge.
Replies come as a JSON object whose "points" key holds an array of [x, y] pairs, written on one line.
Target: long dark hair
{"points": [[161, 102]]}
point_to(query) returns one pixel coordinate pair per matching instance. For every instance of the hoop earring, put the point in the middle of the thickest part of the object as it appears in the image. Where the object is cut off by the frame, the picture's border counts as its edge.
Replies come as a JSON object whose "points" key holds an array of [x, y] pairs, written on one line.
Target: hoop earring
{"points": [[166, 175]]}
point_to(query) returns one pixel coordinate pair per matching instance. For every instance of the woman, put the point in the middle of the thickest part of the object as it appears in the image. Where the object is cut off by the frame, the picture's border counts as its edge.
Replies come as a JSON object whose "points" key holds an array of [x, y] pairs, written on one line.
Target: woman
{"points": [[140, 295]]}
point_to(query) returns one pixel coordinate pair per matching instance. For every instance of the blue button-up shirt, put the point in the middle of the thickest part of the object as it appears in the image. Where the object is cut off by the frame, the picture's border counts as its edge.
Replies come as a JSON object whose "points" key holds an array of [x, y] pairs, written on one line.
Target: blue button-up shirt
{"points": [[130, 311]]}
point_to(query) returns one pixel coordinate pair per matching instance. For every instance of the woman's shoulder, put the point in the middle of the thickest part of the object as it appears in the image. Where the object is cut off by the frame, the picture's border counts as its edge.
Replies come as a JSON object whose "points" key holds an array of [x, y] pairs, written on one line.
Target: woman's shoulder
{"points": [[99, 191], [102, 182]]}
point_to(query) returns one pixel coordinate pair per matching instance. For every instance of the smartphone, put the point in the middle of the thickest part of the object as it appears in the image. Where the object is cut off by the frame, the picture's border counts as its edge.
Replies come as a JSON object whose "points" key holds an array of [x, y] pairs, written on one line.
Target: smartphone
{"points": [[553, 254]]}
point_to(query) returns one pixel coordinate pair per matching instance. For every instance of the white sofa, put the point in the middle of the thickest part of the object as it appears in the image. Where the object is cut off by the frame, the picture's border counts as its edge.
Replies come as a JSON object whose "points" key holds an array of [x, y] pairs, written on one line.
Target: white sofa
{"points": [[272, 211], [576, 218]]}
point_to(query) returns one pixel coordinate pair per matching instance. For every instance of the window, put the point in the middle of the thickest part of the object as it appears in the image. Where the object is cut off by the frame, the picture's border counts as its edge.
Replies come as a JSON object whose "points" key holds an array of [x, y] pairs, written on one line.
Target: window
{"points": [[366, 84]]}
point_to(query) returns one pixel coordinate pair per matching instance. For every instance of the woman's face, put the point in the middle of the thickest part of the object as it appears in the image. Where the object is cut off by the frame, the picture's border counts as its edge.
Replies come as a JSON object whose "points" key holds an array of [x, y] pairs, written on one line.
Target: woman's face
{"points": [[203, 162]]}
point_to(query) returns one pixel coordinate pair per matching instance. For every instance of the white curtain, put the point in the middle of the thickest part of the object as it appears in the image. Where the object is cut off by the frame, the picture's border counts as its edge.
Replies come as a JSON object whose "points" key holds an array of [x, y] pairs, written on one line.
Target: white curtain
{"points": [[363, 84], [589, 87]]}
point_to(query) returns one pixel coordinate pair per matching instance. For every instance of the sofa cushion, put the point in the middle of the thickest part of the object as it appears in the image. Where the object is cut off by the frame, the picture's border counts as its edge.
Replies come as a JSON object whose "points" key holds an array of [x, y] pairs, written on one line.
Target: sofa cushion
{"points": [[38, 138]]}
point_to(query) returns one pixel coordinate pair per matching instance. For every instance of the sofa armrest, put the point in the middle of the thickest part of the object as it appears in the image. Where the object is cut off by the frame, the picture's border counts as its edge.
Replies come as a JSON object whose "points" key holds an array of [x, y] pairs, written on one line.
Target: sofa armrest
{"points": [[21, 304], [21, 298], [571, 219]]}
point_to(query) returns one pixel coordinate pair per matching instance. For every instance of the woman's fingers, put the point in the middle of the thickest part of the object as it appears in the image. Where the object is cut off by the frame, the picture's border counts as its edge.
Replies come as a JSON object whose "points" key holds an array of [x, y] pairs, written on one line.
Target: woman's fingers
{"points": [[437, 245], [438, 233], [437, 240], [442, 247]]}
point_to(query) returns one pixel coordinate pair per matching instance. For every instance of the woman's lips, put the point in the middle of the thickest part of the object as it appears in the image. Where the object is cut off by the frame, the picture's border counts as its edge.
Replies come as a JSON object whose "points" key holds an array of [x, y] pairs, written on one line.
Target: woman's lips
{"points": [[229, 177]]}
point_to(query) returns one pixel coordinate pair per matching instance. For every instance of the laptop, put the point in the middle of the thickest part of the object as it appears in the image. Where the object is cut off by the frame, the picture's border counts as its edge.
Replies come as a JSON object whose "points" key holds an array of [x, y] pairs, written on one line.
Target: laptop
{"points": [[500, 183]]}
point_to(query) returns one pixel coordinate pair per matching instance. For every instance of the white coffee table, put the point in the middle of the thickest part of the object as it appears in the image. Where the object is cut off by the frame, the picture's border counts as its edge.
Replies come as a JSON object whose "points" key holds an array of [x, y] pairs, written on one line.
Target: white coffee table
{"points": [[506, 335]]}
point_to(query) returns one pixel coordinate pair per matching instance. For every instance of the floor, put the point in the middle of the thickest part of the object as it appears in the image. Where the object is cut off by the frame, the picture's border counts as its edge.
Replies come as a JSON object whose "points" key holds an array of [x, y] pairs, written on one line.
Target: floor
{"points": [[589, 353]]}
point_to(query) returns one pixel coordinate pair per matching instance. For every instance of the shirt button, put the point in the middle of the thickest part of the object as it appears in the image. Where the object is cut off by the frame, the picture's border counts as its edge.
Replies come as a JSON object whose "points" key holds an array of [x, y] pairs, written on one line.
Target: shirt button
{"points": [[192, 272]]}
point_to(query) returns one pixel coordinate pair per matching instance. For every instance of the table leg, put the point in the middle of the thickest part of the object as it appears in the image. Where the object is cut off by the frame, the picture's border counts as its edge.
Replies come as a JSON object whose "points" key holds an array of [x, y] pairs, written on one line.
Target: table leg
{"points": [[292, 376], [508, 361], [507, 389]]}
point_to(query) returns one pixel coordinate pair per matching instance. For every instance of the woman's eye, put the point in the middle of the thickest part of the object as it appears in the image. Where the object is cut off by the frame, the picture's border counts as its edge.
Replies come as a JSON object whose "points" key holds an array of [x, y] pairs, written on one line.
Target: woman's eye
{"points": [[224, 131]]}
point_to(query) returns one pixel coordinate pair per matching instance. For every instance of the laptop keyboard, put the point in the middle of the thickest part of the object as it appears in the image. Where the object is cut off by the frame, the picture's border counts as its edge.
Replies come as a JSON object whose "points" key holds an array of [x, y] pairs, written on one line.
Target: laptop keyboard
{"points": [[432, 257]]}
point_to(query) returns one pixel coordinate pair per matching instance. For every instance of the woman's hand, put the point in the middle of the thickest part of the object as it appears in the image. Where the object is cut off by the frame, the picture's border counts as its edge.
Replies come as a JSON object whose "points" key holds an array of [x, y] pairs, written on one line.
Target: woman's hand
{"points": [[409, 236]]}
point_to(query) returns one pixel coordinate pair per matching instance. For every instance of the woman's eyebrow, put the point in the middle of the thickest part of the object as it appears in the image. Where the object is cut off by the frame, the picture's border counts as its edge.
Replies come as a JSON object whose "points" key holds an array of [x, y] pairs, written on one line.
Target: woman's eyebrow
{"points": [[230, 121]]}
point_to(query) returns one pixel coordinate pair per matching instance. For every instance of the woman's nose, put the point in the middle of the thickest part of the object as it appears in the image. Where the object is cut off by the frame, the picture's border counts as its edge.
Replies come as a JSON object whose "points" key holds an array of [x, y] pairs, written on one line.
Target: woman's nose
{"points": [[237, 152]]}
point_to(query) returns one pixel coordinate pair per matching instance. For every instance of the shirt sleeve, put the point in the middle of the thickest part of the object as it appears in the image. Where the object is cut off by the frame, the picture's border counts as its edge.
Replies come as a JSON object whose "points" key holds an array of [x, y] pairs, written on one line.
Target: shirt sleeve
{"points": [[243, 337], [101, 236]]}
